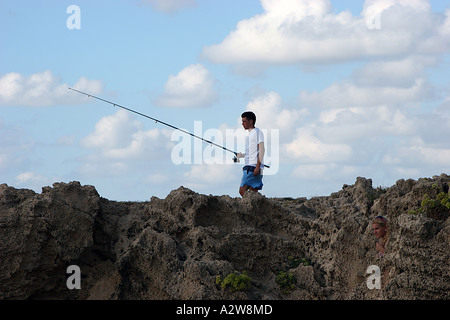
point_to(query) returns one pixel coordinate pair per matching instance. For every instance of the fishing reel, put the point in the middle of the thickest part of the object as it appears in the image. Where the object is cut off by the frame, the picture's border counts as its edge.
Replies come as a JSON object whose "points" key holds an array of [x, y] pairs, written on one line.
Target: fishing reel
{"points": [[235, 159]]}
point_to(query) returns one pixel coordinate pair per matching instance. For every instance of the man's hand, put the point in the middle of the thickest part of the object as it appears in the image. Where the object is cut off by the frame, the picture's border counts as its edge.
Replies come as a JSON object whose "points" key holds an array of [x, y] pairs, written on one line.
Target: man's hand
{"points": [[256, 171]]}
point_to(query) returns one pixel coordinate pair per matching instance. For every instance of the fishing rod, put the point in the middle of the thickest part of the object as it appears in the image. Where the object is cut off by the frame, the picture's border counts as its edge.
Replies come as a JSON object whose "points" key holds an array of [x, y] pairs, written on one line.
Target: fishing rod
{"points": [[235, 159]]}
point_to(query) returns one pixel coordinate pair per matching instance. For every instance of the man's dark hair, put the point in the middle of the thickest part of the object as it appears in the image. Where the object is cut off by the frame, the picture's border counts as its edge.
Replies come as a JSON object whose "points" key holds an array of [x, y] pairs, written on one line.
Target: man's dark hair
{"points": [[249, 115]]}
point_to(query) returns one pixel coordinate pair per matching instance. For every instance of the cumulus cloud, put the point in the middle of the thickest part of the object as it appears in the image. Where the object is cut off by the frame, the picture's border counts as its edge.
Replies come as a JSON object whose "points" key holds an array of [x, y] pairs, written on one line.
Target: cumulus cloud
{"points": [[361, 124], [309, 149], [43, 89], [309, 31], [25, 177], [385, 140], [377, 118], [349, 94], [270, 113], [419, 154], [120, 137], [403, 72], [120, 145], [191, 87], [210, 173], [350, 139], [34, 181]]}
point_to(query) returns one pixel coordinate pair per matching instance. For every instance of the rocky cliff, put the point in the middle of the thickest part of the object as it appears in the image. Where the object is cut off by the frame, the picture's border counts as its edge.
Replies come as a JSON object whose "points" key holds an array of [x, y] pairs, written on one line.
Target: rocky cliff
{"points": [[178, 247]]}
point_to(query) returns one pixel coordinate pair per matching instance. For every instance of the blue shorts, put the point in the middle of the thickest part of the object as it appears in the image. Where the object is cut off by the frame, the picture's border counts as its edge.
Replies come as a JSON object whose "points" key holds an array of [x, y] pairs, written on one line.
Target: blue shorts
{"points": [[251, 180]]}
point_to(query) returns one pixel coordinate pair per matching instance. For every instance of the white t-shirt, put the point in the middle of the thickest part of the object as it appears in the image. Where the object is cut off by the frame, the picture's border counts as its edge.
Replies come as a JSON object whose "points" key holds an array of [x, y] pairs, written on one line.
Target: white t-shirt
{"points": [[254, 138]]}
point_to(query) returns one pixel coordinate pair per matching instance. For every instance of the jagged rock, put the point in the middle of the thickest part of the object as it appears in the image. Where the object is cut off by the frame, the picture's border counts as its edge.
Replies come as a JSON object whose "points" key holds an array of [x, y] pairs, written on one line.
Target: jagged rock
{"points": [[174, 248], [40, 234]]}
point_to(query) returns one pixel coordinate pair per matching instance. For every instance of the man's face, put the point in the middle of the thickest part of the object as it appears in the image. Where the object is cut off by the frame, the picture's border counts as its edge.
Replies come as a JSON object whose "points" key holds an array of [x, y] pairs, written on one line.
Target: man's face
{"points": [[246, 123]]}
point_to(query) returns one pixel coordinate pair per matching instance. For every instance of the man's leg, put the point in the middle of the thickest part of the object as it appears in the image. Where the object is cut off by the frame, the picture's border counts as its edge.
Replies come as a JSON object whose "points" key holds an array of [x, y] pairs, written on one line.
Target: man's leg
{"points": [[243, 189]]}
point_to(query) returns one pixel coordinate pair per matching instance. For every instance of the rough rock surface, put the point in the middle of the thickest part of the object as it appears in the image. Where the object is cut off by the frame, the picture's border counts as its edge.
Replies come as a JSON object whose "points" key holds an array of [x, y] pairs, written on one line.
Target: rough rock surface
{"points": [[174, 248]]}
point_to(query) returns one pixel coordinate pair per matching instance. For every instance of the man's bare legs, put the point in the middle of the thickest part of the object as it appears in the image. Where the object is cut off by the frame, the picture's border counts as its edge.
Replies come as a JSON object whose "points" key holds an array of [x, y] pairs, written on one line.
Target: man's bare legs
{"points": [[243, 189]]}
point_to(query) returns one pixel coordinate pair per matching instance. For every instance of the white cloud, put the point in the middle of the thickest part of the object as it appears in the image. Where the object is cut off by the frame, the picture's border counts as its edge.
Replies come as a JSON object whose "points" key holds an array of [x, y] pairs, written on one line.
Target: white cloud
{"points": [[367, 120], [419, 155], [308, 31], [112, 131], [119, 137], [170, 6], [375, 6], [385, 141], [270, 114], [403, 73], [349, 94], [120, 146], [33, 180], [42, 89], [308, 148], [191, 87], [415, 158], [278, 125], [207, 177], [353, 125]]}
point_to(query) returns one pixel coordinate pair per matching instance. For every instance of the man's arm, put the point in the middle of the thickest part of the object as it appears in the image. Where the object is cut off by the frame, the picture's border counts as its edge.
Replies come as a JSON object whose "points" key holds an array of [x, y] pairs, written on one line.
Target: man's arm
{"points": [[260, 158]]}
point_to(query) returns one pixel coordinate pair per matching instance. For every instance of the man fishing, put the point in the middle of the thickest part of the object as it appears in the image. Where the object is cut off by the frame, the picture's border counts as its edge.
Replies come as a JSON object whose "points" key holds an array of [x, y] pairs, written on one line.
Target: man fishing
{"points": [[254, 146], [254, 155]]}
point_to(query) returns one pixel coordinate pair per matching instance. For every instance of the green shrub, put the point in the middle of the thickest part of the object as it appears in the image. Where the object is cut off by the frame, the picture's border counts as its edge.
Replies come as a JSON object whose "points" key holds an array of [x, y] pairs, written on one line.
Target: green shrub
{"points": [[444, 199], [438, 208], [295, 262], [286, 281], [235, 281]]}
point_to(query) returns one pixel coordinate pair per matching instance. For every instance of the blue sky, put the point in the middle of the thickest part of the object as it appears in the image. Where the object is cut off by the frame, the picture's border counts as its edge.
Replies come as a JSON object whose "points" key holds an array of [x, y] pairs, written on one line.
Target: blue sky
{"points": [[351, 88]]}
